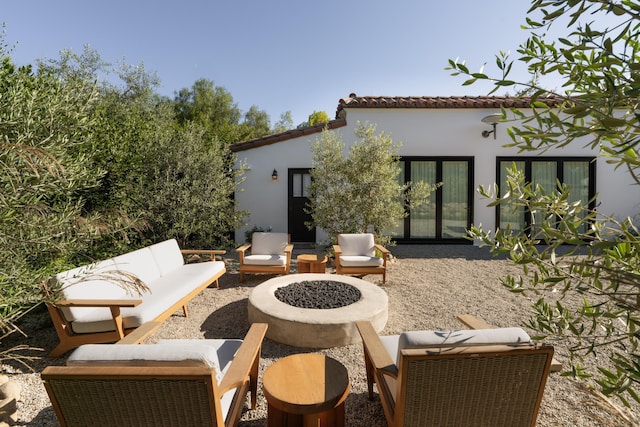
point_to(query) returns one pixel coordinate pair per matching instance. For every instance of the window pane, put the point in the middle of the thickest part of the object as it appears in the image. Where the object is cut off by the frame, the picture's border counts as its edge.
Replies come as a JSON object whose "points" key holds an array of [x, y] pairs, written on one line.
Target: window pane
{"points": [[398, 230], [511, 216], [455, 201], [306, 182], [545, 175], [423, 219], [297, 185], [576, 176]]}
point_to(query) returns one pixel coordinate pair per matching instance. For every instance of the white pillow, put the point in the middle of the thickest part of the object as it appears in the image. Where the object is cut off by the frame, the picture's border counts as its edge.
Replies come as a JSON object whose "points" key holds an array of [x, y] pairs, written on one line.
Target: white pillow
{"points": [[357, 244], [269, 243]]}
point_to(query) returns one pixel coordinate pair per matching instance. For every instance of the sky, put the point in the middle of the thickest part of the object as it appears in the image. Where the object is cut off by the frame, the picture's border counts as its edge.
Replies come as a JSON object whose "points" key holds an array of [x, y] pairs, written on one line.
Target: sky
{"points": [[279, 55]]}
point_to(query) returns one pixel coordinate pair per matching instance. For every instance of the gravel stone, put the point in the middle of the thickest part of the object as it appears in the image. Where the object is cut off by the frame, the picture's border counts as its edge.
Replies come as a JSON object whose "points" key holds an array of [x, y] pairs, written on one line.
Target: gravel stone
{"points": [[319, 294]]}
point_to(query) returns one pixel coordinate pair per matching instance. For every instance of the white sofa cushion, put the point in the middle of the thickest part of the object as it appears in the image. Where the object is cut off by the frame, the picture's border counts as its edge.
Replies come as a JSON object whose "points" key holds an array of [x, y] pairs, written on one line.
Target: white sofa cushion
{"points": [[139, 263], [265, 260], [167, 256], [360, 261], [89, 282], [165, 291], [447, 339], [357, 244], [269, 243]]}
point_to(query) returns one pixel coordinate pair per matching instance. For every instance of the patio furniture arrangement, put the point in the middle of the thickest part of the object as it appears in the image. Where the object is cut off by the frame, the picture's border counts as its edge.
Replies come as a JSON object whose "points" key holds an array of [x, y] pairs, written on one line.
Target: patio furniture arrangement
{"points": [[356, 254], [171, 383], [491, 377], [270, 253], [311, 263], [306, 390], [95, 309]]}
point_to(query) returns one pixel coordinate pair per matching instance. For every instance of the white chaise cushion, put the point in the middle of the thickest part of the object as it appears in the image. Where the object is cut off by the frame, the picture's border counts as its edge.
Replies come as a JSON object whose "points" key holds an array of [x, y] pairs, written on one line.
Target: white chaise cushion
{"points": [[445, 339], [269, 243], [357, 244]]}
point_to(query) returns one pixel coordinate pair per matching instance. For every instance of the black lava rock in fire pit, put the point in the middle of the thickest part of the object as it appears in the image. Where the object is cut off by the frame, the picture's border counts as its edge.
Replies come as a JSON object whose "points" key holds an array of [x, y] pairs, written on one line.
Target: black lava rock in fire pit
{"points": [[321, 294]]}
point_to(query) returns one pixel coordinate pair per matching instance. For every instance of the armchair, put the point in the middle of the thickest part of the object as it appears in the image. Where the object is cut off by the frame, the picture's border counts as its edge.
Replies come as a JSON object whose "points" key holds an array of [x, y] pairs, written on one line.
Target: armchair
{"points": [[270, 253], [356, 254], [493, 377], [173, 382]]}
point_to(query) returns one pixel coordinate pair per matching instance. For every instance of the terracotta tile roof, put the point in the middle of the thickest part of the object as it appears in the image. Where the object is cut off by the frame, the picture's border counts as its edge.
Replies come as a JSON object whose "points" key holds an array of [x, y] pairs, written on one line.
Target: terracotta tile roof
{"points": [[354, 101], [290, 134]]}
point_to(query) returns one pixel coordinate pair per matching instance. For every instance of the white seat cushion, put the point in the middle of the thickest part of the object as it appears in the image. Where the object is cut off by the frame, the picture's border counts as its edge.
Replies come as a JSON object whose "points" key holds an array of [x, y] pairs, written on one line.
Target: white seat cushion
{"points": [[360, 261], [269, 243], [357, 244], [265, 260]]}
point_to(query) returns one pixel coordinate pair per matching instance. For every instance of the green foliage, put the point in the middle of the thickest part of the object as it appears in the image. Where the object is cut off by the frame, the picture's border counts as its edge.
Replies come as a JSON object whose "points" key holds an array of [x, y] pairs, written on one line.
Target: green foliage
{"points": [[583, 267], [318, 117], [361, 192]]}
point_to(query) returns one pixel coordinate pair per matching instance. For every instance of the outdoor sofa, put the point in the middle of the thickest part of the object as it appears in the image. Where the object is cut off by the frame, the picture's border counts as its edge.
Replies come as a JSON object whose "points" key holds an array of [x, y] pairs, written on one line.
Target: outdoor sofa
{"points": [[96, 308]]}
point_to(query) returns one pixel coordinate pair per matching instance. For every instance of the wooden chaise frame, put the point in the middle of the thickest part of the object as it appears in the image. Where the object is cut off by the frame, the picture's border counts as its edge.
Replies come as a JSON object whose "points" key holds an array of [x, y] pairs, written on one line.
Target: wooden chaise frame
{"points": [[70, 340], [154, 393]]}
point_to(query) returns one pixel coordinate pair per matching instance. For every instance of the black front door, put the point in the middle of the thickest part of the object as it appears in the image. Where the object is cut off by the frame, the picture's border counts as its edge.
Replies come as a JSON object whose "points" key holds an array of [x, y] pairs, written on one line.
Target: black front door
{"points": [[299, 180]]}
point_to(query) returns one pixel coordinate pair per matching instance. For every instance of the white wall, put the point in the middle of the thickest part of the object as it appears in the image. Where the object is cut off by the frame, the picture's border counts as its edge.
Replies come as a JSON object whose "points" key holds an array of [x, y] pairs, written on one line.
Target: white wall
{"points": [[422, 132]]}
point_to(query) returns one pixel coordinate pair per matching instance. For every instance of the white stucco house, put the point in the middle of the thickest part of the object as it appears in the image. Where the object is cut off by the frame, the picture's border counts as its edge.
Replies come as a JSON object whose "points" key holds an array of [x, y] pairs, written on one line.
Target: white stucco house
{"points": [[444, 139]]}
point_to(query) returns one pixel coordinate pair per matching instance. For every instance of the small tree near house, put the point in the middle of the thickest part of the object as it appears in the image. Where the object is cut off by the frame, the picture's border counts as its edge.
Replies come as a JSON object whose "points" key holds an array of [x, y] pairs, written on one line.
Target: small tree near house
{"points": [[362, 191]]}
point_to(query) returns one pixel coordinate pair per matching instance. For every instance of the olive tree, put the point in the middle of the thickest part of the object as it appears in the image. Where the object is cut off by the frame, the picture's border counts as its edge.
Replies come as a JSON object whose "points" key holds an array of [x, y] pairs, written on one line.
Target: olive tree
{"points": [[582, 267], [362, 191]]}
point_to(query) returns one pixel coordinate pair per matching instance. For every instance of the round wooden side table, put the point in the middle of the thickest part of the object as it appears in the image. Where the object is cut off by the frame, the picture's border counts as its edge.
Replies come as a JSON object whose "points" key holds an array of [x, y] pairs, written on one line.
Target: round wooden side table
{"points": [[306, 390], [311, 263]]}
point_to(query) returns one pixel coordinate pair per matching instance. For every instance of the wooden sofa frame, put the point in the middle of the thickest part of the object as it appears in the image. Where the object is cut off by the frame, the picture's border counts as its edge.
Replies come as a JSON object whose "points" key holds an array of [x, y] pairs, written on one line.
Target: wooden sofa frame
{"points": [[70, 340]]}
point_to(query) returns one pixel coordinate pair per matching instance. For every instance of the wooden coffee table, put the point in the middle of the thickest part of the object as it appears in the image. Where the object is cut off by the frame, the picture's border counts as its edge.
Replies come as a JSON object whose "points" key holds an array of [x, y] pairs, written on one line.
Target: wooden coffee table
{"points": [[306, 390], [311, 263]]}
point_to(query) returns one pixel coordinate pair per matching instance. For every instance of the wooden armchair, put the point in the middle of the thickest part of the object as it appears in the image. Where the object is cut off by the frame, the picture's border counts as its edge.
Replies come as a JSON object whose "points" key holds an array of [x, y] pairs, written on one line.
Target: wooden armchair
{"points": [[480, 377], [270, 253], [356, 254], [171, 383]]}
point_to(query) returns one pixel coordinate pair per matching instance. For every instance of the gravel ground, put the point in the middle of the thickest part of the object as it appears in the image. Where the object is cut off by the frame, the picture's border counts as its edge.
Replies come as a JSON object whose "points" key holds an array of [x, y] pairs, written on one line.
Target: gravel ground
{"points": [[427, 286]]}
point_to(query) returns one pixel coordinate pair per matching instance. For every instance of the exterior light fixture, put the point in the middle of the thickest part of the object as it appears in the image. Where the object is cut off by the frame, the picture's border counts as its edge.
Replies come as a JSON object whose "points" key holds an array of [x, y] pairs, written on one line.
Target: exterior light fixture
{"points": [[274, 175], [492, 120]]}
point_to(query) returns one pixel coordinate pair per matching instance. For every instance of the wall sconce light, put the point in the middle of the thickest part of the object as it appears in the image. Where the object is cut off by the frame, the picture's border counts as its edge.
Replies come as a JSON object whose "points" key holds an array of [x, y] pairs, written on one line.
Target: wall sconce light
{"points": [[492, 120], [274, 175]]}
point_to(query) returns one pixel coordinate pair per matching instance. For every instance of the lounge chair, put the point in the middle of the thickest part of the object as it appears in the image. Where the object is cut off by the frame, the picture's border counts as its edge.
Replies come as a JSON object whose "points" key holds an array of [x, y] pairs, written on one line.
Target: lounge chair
{"points": [[487, 378], [356, 254], [270, 253], [171, 383]]}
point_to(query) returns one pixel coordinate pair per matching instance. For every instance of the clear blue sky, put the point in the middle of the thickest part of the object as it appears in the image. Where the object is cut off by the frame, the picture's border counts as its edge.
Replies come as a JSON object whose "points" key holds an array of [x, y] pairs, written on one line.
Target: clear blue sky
{"points": [[280, 55]]}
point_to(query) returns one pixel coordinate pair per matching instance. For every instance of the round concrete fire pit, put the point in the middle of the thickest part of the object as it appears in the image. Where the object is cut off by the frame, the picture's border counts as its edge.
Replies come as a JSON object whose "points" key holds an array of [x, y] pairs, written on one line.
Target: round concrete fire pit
{"points": [[317, 328]]}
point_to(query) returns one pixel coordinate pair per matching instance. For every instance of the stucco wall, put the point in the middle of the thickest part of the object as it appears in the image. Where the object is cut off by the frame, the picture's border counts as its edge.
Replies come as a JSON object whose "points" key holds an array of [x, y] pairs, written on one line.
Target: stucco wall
{"points": [[422, 132]]}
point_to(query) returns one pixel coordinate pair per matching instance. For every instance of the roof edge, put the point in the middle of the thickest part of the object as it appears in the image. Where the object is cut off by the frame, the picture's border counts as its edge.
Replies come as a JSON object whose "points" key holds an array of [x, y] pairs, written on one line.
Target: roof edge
{"points": [[283, 136]]}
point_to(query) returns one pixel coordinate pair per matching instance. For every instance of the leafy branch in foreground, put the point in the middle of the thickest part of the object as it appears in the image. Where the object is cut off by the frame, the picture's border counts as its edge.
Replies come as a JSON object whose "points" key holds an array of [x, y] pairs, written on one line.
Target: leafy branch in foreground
{"points": [[584, 270], [584, 266]]}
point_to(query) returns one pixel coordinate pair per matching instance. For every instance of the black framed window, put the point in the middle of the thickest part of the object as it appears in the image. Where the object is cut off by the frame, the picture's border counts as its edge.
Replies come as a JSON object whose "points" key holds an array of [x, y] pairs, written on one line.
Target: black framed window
{"points": [[579, 173], [448, 213]]}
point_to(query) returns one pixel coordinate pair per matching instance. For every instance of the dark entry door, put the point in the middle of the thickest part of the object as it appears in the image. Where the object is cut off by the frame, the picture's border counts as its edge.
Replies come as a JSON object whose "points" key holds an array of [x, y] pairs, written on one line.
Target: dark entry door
{"points": [[299, 180]]}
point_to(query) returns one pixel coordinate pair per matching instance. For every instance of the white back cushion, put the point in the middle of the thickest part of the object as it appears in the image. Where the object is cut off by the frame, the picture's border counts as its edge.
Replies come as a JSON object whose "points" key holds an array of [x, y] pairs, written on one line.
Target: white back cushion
{"points": [[357, 244], [167, 256], [140, 263], [439, 339], [269, 243], [89, 282]]}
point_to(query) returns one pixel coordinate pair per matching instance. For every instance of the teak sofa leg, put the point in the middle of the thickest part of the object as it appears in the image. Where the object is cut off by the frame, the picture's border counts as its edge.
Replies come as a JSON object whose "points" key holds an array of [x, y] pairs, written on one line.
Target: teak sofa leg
{"points": [[185, 311]]}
